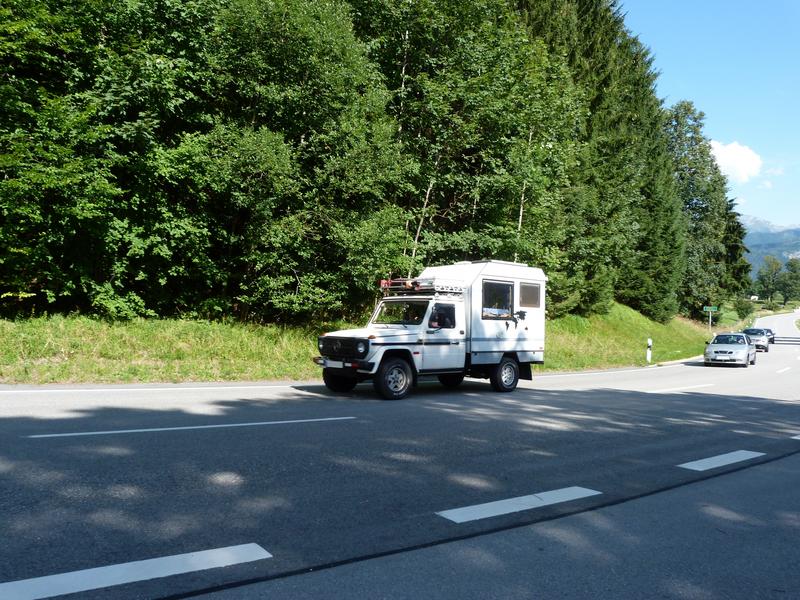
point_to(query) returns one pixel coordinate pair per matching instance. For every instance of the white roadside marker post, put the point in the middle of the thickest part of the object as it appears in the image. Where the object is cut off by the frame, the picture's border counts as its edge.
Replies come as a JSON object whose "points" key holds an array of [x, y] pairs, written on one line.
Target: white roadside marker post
{"points": [[649, 350]]}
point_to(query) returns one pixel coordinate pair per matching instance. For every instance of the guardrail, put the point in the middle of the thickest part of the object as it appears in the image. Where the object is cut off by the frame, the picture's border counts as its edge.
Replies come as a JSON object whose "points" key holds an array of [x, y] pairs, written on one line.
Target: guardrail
{"points": [[787, 341]]}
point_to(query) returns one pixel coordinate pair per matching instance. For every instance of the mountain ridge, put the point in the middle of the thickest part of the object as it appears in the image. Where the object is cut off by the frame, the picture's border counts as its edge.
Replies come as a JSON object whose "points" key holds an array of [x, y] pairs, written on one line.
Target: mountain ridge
{"points": [[765, 238]]}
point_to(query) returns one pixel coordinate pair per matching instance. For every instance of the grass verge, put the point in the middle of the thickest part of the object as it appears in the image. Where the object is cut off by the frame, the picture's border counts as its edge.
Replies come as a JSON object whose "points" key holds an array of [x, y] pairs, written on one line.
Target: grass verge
{"points": [[83, 350]]}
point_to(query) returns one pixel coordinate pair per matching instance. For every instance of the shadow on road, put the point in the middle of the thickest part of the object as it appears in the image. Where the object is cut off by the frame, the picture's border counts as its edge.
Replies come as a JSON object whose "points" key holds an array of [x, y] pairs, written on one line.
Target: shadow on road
{"points": [[319, 493]]}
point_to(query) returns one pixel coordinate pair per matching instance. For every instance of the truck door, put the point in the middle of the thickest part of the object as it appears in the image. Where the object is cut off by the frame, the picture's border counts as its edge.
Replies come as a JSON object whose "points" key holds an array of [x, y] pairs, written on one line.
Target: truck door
{"points": [[494, 326], [444, 343]]}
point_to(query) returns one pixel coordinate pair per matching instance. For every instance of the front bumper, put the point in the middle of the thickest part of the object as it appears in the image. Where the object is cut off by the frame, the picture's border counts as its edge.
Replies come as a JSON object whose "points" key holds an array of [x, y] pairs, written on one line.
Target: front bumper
{"points": [[352, 364], [726, 359]]}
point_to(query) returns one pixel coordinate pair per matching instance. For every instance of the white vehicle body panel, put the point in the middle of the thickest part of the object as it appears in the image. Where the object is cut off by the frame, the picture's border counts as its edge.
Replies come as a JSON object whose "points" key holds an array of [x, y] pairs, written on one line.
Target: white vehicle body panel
{"points": [[475, 313], [489, 338]]}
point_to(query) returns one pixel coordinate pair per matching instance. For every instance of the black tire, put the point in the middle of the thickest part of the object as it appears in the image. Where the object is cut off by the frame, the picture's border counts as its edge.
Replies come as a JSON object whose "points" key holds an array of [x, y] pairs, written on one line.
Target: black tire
{"points": [[394, 379], [505, 375], [337, 382], [451, 380], [766, 348], [752, 362]]}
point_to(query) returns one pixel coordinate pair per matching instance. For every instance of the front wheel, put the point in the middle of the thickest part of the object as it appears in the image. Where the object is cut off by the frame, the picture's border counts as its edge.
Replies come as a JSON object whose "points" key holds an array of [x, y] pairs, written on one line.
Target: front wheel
{"points": [[505, 375], [393, 379], [336, 382]]}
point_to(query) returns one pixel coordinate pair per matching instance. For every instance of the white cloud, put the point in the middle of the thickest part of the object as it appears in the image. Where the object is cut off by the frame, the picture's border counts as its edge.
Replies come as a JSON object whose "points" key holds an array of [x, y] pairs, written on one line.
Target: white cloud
{"points": [[774, 172], [766, 185], [739, 163]]}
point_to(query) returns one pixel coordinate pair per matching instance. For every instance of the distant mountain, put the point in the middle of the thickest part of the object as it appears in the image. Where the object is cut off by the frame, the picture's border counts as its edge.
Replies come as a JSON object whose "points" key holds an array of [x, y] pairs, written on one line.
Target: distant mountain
{"points": [[765, 238]]}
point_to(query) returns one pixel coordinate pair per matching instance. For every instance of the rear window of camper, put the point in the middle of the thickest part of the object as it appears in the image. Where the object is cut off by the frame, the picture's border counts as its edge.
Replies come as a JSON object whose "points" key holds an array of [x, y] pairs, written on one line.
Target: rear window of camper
{"points": [[530, 295], [498, 300]]}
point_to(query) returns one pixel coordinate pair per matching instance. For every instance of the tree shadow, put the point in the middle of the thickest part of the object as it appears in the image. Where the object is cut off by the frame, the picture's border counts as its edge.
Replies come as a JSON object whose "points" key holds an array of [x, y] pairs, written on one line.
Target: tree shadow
{"points": [[318, 493]]}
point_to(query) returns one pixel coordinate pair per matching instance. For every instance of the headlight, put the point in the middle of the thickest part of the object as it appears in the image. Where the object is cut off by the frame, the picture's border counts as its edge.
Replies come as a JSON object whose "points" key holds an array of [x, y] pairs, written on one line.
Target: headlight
{"points": [[361, 347], [319, 343]]}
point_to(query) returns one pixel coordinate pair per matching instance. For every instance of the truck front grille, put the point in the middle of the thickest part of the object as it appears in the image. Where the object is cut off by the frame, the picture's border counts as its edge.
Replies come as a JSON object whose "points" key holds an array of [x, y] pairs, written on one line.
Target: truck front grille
{"points": [[338, 347]]}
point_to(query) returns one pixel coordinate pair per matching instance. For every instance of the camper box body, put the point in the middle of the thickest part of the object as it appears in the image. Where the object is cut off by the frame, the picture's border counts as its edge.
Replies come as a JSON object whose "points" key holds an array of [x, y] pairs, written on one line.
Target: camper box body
{"points": [[504, 308]]}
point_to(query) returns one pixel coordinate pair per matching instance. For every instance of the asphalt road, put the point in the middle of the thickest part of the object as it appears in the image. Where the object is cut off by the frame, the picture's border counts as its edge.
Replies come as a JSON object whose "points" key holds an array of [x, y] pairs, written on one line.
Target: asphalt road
{"points": [[277, 480]]}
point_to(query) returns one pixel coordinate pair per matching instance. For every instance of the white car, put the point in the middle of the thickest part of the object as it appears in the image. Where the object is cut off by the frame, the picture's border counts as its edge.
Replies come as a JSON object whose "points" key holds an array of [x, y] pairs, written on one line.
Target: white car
{"points": [[730, 349], [759, 337]]}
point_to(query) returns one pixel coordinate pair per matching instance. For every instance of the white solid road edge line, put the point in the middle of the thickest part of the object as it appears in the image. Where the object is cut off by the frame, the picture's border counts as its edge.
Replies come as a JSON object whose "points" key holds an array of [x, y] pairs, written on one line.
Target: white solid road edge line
{"points": [[721, 460], [680, 389], [157, 429], [512, 505], [797, 437], [783, 370], [142, 570], [175, 388]]}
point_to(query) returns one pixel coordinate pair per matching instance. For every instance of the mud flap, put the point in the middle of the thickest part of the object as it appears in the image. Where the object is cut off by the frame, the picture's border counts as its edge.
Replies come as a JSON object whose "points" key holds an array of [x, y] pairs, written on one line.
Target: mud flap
{"points": [[525, 371]]}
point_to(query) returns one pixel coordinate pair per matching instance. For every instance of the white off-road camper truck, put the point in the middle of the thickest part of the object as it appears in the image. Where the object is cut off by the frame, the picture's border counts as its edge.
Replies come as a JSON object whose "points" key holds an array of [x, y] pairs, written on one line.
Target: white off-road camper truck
{"points": [[480, 319]]}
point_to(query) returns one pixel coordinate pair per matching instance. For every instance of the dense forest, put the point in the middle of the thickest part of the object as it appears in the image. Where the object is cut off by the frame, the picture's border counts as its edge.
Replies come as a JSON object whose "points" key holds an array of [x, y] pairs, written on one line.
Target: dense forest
{"points": [[270, 160]]}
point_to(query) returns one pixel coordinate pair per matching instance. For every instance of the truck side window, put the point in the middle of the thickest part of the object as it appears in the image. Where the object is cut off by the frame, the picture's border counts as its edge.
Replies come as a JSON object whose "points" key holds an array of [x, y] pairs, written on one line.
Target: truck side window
{"points": [[443, 316], [498, 300], [529, 295]]}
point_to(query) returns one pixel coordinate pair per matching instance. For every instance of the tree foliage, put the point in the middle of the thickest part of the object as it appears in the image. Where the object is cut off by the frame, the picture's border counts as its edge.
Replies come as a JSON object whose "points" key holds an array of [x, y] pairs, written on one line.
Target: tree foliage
{"points": [[273, 160], [776, 282]]}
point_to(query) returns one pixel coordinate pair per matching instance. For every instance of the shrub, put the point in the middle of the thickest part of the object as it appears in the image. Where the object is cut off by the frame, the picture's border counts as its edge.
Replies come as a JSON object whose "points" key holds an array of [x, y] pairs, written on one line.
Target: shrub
{"points": [[743, 307]]}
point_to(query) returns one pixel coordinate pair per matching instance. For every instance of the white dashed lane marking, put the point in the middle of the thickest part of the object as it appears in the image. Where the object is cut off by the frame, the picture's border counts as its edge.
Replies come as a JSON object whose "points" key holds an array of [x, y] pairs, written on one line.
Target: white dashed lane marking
{"points": [[721, 460], [681, 389], [512, 505], [160, 429], [142, 570]]}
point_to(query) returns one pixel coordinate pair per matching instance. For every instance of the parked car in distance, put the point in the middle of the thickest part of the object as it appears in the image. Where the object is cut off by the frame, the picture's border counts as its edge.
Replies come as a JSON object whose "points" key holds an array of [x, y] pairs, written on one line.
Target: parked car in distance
{"points": [[770, 335], [759, 337], [730, 349]]}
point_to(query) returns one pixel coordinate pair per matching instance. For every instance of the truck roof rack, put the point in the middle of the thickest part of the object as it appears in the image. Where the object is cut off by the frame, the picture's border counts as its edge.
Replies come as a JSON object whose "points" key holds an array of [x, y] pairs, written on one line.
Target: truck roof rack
{"points": [[405, 286]]}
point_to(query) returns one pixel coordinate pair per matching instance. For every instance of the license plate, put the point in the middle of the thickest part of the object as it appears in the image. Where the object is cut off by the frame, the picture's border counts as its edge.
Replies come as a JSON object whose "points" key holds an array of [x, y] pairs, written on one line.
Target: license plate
{"points": [[334, 364]]}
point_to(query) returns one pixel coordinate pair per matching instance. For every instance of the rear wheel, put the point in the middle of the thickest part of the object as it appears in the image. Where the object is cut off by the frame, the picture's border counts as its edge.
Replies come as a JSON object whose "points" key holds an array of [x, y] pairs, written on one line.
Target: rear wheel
{"points": [[337, 382], [393, 379], [505, 375], [451, 380]]}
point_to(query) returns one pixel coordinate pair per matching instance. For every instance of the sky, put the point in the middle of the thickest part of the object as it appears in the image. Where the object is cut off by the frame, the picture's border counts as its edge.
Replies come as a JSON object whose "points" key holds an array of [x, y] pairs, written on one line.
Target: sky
{"points": [[738, 61]]}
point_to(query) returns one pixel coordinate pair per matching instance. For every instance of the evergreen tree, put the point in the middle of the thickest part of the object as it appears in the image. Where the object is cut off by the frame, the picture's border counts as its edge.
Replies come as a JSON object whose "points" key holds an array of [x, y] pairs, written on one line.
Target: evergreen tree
{"points": [[768, 279], [789, 280], [737, 268], [702, 189]]}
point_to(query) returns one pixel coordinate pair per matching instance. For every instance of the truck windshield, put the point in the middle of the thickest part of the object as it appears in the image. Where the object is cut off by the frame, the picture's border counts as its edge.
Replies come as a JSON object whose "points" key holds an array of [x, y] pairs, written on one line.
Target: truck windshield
{"points": [[401, 312]]}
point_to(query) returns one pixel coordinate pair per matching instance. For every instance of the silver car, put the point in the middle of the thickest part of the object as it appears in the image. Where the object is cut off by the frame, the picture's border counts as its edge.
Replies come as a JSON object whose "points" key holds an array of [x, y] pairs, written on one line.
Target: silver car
{"points": [[760, 338], [730, 349]]}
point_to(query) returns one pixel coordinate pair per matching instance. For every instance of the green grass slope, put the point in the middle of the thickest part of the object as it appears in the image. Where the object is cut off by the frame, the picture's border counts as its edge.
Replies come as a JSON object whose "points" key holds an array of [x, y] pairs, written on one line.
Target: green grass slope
{"points": [[618, 338], [84, 350]]}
